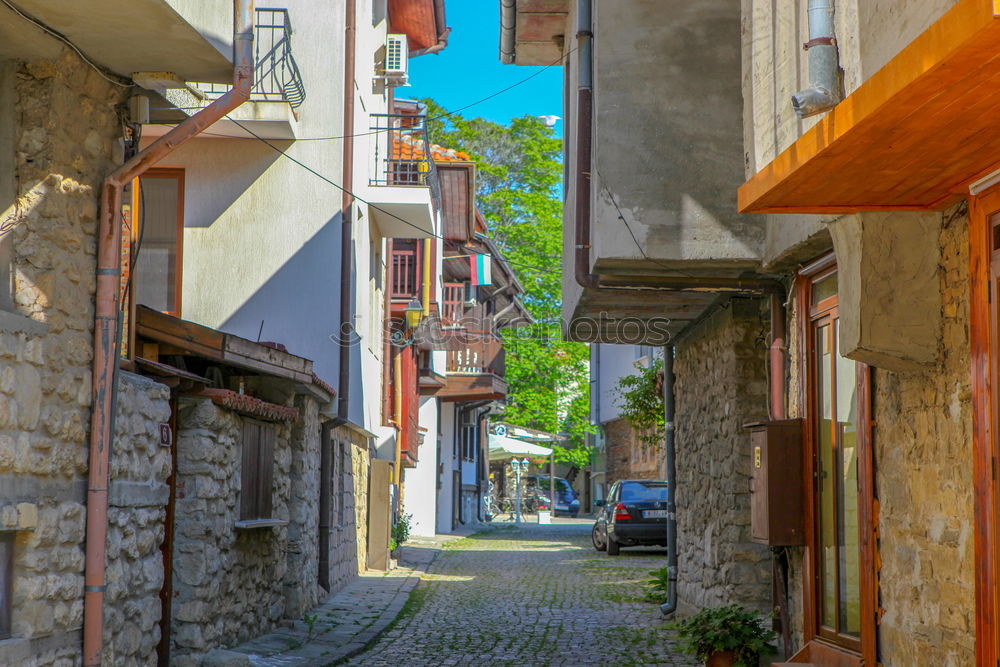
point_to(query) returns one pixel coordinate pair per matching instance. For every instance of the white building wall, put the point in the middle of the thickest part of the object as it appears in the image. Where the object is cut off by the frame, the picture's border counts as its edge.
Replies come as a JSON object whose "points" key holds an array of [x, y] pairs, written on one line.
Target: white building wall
{"points": [[610, 363], [448, 462], [420, 483]]}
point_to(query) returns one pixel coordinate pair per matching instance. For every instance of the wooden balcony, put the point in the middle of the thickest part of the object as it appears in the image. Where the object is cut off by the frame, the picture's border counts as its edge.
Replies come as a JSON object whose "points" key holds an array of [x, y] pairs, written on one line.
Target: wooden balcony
{"points": [[475, 368]]}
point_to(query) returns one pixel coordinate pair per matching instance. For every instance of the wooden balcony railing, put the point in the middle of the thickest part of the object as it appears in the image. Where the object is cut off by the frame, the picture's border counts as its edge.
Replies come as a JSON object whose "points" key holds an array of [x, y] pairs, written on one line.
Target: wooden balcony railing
{"points": [[481, 352], [405, 269]]}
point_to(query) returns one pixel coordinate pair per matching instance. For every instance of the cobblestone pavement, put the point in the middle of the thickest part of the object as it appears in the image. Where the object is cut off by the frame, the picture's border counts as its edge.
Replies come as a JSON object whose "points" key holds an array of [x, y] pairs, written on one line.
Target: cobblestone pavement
{"points": [[530, 595]]}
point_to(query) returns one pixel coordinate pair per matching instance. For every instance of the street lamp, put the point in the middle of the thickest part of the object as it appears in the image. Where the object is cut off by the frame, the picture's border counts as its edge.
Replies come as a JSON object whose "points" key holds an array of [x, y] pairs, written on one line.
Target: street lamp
{"points": [[412, 315], [519, 467], [414, 311]]}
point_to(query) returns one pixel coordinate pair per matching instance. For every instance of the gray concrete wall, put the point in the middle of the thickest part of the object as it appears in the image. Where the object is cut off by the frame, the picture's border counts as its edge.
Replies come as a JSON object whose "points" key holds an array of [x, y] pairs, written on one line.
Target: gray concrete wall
{"points": [[668, 138]]}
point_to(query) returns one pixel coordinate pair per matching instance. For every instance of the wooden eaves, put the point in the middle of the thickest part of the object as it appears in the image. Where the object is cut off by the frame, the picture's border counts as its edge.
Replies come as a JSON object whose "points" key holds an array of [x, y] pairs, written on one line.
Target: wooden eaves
{"points": [[178, 336], [913, 136]]}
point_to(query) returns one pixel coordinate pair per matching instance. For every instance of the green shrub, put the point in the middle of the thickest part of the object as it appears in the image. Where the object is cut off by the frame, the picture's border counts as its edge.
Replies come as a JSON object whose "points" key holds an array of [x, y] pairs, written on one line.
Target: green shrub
{"points": [[728, 628], [401, 531], [658, 587]]}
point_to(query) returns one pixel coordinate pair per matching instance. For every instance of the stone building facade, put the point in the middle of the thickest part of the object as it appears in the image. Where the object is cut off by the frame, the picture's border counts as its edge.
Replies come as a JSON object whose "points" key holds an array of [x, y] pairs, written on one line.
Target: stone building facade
{"points": [[58, 123], [140, 466], [721, 384]]}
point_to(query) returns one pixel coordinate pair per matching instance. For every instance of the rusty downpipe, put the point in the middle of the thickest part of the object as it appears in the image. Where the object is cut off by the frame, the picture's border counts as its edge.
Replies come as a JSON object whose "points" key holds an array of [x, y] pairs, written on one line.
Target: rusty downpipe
{"points": [[443, 32], [346, 229], [777, 351], [106, 340]]}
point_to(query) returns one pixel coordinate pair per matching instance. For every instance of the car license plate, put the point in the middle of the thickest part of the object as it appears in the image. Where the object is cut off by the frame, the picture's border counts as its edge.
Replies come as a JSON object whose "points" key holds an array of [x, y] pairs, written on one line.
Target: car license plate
{"points": [[655, 514]]}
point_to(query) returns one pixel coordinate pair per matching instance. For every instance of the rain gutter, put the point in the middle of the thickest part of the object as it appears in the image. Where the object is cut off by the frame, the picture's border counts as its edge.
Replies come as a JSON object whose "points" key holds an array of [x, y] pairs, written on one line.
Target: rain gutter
{"points": [[106, 319]]}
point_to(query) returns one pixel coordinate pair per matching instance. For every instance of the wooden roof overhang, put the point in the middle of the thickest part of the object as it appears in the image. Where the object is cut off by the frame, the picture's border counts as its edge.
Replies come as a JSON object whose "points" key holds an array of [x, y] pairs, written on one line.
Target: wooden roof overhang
{"points": [[914, 136], [175, 336]]}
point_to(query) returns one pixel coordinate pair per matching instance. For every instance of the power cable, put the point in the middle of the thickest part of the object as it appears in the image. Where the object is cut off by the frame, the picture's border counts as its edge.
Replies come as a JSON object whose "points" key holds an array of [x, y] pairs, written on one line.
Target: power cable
{"points": [[446, 114], [621, 216], [65, 40], [362, 199]]}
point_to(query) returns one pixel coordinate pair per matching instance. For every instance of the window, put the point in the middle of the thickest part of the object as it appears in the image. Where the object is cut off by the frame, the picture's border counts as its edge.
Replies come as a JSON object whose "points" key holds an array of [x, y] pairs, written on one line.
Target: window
{"points": [[6, 581], [257, 470], [636, 492], [159, 240], [840, 454], [454, 304], [405, 268]]}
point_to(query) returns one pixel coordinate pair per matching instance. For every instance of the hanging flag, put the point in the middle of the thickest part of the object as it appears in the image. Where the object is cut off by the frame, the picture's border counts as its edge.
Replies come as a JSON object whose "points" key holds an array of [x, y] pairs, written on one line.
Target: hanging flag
{"points": [[481, 269]]}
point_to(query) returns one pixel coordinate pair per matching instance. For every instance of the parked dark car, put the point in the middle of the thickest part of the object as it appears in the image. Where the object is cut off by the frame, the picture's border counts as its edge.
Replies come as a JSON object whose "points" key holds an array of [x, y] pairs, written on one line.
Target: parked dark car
{"points": [[633, 514], [566, 504]]}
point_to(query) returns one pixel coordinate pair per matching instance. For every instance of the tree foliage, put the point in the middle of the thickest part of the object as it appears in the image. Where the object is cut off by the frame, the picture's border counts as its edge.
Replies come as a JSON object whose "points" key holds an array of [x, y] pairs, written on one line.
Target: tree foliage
{"points": [[519, 172], [640, 400]]}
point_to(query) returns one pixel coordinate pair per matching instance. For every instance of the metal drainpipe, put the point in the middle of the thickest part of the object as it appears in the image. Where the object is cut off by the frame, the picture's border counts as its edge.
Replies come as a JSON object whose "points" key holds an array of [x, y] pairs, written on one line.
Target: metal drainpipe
{"points": [[823, 92], [584, 158], [346, 231], [508, 15], [669, 412], [106, 335], [443, 32], [777, 352]]}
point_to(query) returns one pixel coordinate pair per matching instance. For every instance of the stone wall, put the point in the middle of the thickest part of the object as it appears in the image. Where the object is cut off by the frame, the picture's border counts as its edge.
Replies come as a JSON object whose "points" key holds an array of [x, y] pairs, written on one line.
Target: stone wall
{"points": [[349, 538], [923, 454], [64, 123], [138, 498], [228, 583], [627, 456], [923, 483], [302, 576], [720, 386]]}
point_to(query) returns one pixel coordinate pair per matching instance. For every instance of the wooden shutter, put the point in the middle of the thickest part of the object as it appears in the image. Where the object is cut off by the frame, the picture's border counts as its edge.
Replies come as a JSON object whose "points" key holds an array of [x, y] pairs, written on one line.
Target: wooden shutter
{"points": [[248, 477], [6, 581], [257, 475], [265, 471]]}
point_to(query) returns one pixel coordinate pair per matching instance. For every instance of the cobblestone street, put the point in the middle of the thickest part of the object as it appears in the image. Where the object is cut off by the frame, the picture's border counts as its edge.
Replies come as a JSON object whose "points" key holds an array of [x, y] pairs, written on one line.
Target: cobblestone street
{"points": [[535, 595]]}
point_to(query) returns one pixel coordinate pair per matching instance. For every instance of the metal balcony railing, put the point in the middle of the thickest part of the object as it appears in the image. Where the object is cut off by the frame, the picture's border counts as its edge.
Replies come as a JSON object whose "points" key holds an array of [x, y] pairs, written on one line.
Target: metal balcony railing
{"points": [[402, 154], [276, 75]]}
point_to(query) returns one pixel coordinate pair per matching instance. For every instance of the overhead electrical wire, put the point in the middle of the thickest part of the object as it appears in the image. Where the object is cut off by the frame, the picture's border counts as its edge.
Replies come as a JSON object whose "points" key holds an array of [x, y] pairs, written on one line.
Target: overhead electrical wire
{"points": [[365, 201], [65, 40], [446, 114]]}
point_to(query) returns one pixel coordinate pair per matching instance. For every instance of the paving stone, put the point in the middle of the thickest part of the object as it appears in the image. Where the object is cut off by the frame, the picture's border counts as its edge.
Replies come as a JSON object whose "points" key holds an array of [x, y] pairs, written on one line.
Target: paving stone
{"points": [[532, 595]]}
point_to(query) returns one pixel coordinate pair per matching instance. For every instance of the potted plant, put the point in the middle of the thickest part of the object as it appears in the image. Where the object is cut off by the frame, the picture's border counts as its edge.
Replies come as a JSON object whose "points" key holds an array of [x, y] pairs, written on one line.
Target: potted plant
{"points": [[728, 636]]}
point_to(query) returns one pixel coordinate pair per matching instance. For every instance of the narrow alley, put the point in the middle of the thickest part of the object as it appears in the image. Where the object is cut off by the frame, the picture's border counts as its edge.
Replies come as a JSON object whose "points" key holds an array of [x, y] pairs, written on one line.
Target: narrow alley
{"points": [[530, 595]]}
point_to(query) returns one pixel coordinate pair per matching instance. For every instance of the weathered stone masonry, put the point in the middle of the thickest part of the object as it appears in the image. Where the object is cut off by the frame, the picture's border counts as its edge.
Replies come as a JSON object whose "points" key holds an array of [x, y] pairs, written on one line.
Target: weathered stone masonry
{"points": [[64, 124], [720, 385], [923, 484], [138, 495], [228, 583]]}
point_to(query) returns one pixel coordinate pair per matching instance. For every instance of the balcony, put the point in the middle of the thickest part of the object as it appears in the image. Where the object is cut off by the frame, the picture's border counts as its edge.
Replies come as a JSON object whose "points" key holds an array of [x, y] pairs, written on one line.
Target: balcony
{"points": [[277, 92], [403, 187], [475, 368], [188, 37]]}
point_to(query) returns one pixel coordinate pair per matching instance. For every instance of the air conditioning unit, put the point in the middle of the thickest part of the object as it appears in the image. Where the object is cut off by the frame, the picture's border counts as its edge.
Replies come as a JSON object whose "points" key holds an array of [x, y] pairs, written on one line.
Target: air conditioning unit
{"points": [[397, 59]]}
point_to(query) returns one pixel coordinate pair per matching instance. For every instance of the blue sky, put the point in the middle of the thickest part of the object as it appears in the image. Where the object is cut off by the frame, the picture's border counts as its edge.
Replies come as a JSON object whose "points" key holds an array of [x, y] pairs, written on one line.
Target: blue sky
{"points": [[470, 69]]}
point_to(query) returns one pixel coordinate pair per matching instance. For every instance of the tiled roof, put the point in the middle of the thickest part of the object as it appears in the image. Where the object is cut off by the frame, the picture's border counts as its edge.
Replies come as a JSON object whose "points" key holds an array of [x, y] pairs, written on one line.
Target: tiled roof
{"points": [[407, 147], [416, 19]]}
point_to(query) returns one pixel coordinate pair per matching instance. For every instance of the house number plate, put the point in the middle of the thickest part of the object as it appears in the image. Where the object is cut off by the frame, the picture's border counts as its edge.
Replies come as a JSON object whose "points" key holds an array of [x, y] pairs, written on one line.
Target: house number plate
{"points": [[756, 457]]}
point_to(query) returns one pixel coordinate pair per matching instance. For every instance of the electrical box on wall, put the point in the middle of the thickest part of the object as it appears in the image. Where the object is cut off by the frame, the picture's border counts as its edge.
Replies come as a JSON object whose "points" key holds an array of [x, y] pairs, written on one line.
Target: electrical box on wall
{"points": [[776, 491]]}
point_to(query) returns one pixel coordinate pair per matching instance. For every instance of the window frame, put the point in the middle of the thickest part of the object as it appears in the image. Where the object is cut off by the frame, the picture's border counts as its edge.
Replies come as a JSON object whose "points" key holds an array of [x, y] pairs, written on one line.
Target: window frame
{"points": [[984, 271], [863, 648]]}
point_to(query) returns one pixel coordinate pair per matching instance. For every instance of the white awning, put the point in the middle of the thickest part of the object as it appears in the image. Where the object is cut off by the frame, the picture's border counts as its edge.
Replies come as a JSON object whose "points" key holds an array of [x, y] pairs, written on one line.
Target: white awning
{"points": [[502, 447]]}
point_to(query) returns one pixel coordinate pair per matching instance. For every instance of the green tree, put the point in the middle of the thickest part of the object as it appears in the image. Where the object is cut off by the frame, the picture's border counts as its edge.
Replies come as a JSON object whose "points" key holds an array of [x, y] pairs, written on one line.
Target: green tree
{"points": [[519, 172]]}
